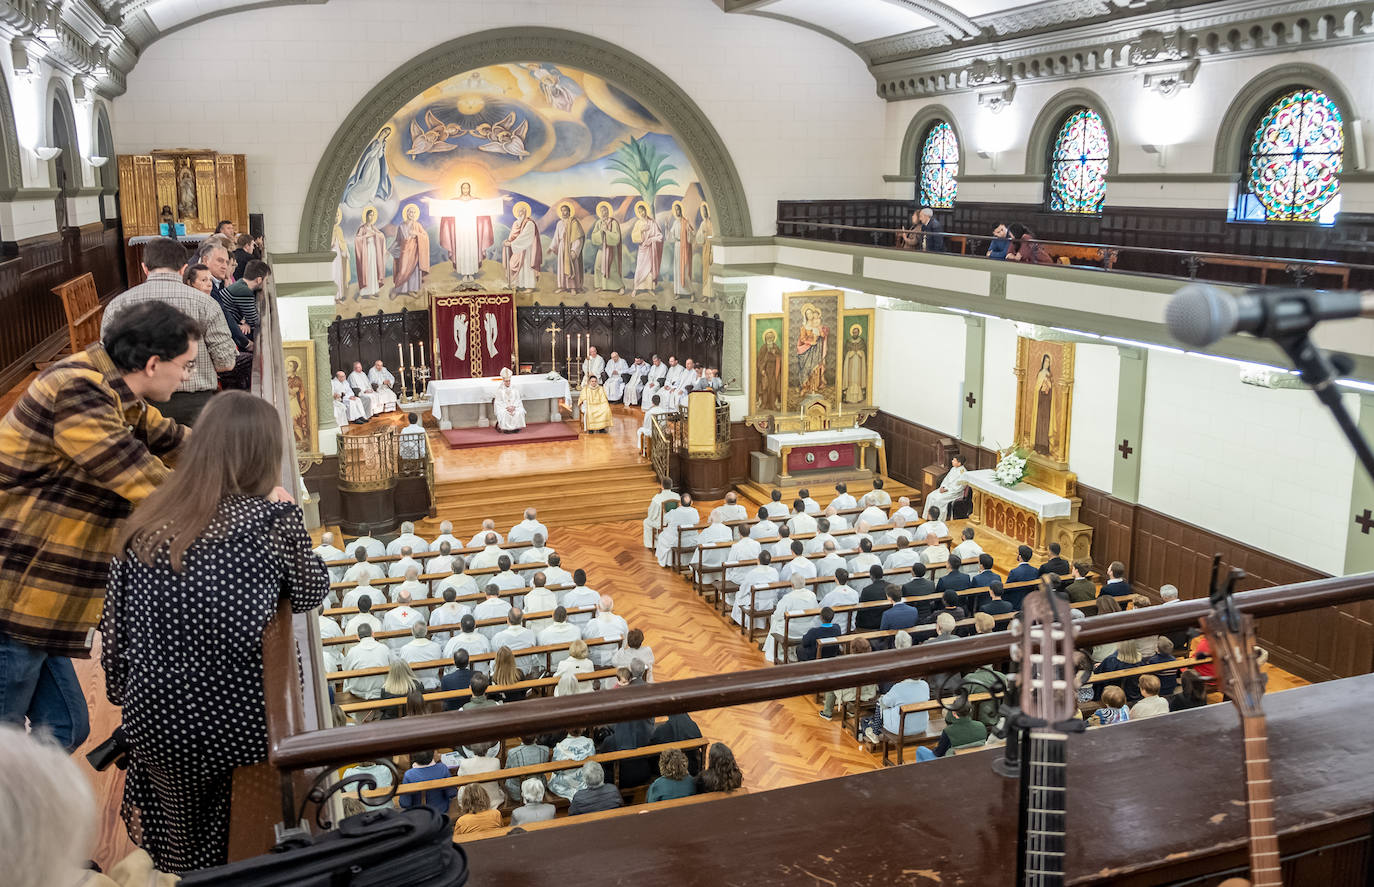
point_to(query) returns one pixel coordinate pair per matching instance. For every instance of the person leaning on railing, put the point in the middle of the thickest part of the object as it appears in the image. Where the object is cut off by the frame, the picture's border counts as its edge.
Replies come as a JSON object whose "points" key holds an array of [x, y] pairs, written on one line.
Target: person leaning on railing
{"points": [[1025, 248]]}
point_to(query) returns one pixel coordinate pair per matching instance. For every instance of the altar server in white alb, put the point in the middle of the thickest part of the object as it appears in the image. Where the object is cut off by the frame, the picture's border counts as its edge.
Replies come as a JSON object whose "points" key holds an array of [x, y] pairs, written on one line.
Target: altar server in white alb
{"points": [[528, 528], [668, 538], [646, 430], [362, 386], [951, 489], [594, 365], [348, 407], [616, 367], [510, 411], [639, 372], [655, 517]]}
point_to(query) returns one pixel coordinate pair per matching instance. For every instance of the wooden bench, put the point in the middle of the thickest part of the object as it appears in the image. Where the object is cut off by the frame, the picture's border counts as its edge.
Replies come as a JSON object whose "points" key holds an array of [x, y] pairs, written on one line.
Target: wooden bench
{"points": [[81, 302], [481, 623], [444, 695], [437, 577], [464, 553], [1297, 268], [382, 607], [545, 650], [631, 810]]}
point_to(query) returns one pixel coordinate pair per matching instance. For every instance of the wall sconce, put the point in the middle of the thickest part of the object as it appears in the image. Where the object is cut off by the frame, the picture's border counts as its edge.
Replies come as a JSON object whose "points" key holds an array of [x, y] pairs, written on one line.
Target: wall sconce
{"points": [[990, 156], [1159, 151], [97, 161], [45, 152], [24, 55]]}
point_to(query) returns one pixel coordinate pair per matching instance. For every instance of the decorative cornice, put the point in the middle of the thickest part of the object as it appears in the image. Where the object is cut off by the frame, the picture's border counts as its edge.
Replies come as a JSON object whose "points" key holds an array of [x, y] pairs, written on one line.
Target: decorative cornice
{"points": [[637, 77], [74, 36]]}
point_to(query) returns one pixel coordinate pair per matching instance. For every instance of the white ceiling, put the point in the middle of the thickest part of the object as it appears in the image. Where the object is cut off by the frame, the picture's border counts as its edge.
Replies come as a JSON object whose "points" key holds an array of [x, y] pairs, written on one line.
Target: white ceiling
{"points": [[167, 14], [854, 20]]}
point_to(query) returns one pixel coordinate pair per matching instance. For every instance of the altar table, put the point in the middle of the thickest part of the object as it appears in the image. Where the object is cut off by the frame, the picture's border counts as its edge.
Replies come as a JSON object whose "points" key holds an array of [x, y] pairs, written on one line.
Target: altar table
{"points": [[466, 403], [804, 452], [1028, 515]]}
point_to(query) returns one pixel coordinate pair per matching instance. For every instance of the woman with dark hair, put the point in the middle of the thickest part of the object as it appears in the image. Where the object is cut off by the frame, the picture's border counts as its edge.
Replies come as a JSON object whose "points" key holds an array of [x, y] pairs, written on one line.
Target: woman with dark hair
{"points": [[197, 276], [199, 569], [1025, 248], [722, 774], [1193, 693]]}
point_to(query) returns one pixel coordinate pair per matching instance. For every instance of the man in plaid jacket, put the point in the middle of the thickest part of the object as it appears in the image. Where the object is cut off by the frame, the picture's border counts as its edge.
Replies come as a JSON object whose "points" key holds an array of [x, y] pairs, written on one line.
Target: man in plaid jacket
{"points": [[78, 451]]}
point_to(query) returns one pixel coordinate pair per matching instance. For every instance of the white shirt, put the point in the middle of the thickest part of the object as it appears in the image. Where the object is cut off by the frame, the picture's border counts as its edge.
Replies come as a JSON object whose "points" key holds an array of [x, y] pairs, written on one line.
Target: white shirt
{"points": [[764, 529], [604, 625], [795, 601], [367, 653], [713, 535], [745, 549], [844, 502], [859, 563], [557, 576], [446, 614], [540, 600], [476, 644], [578, 598], [518, 638], [811, 506], [423, 650], [904, 557], [537, 555], [826, 566], [487, 557], [479, 538], [817, 543], [526, 530], [759, 575], [968, 549], [491, 608], [839, 596], [934, 526], [802, 523], [398, 568], [507, 580], [799, 564], [559, 633], [776, 509], [407, 540]]}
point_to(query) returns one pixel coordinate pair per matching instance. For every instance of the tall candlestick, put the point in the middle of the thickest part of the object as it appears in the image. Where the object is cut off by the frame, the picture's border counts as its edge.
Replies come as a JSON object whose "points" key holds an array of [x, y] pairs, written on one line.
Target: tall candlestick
{"points": [[422, 354], [412, 353]]}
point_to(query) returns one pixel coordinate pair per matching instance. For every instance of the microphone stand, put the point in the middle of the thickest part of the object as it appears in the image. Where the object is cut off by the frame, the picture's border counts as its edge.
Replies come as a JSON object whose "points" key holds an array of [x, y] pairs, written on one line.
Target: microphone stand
{"points": [[1320, 371]]}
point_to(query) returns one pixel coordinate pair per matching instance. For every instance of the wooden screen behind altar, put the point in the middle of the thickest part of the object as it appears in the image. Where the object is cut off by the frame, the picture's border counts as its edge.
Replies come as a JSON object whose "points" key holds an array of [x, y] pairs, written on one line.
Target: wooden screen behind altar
{"points": [[811, 323], [1044, 399], [474, 335]]}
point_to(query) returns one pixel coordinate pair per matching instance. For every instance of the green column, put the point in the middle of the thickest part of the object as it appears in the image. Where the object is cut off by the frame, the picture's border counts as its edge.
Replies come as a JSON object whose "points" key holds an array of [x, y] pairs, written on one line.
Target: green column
{"points": [[1130, 422], [1359, 544], [975, 343], [732, 367]]}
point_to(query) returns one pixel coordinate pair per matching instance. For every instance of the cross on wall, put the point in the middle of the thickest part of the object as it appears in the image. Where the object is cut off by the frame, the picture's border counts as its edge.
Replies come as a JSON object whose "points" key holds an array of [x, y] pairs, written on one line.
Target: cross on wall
{"points": [[971, 400], [1366, 521], [1126, 449]]}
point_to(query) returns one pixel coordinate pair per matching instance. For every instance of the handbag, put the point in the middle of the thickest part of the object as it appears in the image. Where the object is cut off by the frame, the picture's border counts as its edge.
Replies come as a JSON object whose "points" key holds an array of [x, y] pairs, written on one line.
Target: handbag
{"points": [[379, 848]]}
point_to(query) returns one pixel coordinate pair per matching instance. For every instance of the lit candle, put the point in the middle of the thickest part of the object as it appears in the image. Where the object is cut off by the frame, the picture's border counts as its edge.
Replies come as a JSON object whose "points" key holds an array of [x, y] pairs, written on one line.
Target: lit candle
{"points": [[422, 354], [412, 354], [400, 358]]}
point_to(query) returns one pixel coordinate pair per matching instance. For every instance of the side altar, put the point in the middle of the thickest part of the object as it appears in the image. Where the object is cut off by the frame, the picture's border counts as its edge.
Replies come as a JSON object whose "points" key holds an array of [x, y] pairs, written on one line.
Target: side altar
{"points": [[1043, 507]]}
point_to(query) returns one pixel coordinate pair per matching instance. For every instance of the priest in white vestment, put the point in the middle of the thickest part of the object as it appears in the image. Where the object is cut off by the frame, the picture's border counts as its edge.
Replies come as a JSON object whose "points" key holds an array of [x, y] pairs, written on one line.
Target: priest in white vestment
{"points": [[655, 518], [555, 576], [473, 642], [799, 565], [763, 574], [876, 496], [540, 600], [669, 538], [763, 528], [843, 501], [797, 600], [951, 489], [745, 549], [422, 648], [830, 561], [446, 535], [538, 552], [480, 537], [403, 563], [593, 365], [489, 555], [800, 521], [639, 372], [906, 512], [348, 407], [714, 534], [383, 398], [333, 655], [461, 583], [605, 624], [873, 516], [407, 539], [775, 507], [731, 510], [616, 367], [380, 375], [328, 552], [509, 410], [362, 386], [654, 378], [646, 428], [527, 529], [450, 612], [811, 505]]}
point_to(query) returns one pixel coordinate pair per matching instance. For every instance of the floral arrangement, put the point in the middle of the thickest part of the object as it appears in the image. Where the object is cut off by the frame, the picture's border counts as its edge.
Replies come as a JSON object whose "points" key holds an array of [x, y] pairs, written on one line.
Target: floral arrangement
{"points": [[1011, 467]]}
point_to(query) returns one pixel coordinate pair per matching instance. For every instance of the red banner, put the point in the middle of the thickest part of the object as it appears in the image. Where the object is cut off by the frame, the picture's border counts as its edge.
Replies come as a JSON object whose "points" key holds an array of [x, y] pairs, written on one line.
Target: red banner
{"points": [[839, 455], [474, 335]]}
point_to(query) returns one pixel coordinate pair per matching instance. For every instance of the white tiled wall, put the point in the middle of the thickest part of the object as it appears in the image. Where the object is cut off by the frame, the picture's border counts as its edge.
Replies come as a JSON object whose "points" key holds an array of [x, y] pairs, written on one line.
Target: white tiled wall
{"points": [[919, 367], [798, 112], [1267, 467]]}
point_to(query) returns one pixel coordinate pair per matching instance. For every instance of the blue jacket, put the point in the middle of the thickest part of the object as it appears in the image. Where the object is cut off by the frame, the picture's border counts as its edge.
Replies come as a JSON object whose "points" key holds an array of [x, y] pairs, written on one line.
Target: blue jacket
{"points": [[438, 799]]}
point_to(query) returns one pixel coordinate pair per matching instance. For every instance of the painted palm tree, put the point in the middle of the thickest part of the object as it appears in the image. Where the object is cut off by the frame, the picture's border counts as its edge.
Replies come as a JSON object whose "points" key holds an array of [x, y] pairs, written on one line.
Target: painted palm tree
{"points": [[642, 167]]}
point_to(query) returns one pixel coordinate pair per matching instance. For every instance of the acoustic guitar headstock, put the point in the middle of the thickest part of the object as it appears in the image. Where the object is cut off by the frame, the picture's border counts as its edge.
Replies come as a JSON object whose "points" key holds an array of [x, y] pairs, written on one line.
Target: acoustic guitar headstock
{"points": [[1045, 653], [1231, 636]]}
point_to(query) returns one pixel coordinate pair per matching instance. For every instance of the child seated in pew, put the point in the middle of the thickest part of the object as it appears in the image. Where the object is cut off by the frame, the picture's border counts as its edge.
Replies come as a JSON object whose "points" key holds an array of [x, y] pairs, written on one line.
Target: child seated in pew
{"points": [[961, 729], [1113, 710]]}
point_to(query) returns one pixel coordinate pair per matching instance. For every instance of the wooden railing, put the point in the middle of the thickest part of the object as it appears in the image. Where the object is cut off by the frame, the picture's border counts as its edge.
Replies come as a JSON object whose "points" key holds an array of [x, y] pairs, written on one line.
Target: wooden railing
{"points": [[880, 229]]}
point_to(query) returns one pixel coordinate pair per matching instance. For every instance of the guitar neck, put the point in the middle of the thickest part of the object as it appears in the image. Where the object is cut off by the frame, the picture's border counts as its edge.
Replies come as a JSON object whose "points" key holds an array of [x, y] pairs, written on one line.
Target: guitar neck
{"points": [[1264, 843], [1044, 779]]}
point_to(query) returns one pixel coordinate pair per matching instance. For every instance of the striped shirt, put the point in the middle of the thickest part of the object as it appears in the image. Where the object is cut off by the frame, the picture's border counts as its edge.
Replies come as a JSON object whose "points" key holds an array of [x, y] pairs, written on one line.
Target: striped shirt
{"points": [[166, 287], [77, 452]]}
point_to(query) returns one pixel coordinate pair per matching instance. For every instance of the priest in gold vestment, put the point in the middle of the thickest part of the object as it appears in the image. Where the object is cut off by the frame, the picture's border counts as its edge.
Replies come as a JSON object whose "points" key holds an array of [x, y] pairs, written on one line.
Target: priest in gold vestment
{"points": [[596, 409]]}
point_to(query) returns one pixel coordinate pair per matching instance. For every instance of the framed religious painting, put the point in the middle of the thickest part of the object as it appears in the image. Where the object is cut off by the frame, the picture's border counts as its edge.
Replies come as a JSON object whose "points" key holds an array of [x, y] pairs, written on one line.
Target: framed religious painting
{"points": [[766, 358], [856, 359], [299, 360], [811, 368], [1044, 399]]}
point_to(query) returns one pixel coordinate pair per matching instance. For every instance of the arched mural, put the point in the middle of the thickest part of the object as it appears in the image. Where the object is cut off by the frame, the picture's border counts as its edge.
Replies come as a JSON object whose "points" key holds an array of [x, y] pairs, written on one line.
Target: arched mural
{"points": [[543, 178]]}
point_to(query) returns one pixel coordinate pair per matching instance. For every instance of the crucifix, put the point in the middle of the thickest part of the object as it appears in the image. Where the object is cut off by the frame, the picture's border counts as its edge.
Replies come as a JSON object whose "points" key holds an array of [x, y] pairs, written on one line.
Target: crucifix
{"points": [[553, 330], [1126, 449]]}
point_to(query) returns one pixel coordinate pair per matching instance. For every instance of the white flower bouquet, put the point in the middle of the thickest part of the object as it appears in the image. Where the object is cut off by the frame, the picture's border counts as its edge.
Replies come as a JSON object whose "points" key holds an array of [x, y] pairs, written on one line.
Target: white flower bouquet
{"points": [[1011, 467]]}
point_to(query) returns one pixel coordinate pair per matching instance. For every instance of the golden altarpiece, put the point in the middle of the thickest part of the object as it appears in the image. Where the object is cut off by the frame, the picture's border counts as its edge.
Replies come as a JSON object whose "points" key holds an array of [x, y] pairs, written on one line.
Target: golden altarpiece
{"points": [[195, 187]]}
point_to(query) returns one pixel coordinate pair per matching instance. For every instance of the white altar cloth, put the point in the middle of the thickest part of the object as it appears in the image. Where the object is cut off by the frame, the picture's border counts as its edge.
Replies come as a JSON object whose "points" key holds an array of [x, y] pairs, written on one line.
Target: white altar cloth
{"points": [[446, 392], [774, 443], [1045, 505]]}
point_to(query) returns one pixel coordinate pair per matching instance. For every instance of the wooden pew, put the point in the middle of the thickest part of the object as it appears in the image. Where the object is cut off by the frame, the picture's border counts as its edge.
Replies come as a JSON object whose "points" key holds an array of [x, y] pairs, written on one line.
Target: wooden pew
{"points": [[629, 810], [442, 695], [481, 623], [546, 650], [343, 612], [436, 577], [464, 553]]}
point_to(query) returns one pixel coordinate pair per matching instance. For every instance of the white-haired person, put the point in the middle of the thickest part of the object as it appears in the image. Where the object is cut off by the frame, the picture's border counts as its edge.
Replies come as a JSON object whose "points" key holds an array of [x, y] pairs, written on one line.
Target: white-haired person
{"points": [[509, 408], [534, 809]]}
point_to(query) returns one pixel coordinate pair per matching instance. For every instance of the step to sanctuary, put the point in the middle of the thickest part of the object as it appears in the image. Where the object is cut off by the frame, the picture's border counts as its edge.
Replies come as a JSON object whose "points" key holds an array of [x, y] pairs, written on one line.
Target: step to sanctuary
{"points": [[563, 497]]}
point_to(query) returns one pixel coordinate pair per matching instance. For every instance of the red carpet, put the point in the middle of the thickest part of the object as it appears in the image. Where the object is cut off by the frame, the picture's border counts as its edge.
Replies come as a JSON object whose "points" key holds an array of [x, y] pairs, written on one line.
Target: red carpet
{"points": [[543, 432]]}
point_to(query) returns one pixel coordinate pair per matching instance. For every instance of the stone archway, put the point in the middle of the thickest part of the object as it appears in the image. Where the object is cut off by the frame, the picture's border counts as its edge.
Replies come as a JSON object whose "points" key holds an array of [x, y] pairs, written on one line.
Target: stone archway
{"points": [[629, 72]]}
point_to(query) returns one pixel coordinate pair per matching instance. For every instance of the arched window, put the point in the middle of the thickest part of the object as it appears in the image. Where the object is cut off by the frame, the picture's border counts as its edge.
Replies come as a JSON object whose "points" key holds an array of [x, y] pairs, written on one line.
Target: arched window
{"points": [[1078, 163], [1294, 161], [940, 166]]}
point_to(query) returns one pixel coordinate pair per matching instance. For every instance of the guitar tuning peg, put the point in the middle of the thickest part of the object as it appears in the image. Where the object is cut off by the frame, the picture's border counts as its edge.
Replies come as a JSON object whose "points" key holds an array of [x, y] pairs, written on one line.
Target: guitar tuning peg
{"points": [[1016, 652], [1015, 626]]}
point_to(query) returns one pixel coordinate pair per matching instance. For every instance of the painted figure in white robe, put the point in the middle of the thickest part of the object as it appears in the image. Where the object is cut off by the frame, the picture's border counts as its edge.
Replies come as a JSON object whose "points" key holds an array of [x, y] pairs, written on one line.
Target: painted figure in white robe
{"points": [[647, 233], [510, 411], [339, 269], [568, 240], [348, 407], [682, 516], [524, 251], [616, 368], [369, 252], [639, 371], [681, 231], [370, 179], [465, 229], [951, 489]]}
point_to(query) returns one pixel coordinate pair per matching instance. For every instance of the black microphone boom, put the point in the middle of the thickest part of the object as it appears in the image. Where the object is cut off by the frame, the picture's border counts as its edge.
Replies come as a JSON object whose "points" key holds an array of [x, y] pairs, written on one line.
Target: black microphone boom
{"points": [[1200, 314]]}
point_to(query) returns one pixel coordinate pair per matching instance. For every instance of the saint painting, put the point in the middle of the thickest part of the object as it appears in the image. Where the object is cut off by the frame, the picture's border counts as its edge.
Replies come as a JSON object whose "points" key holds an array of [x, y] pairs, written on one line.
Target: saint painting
{"points": [[813, 346], [369, 252], [568, 240], [411, 252], [1043, 406], [681, 231], [705, 232], [370, 180], [768, 373], [608, 273], [648, 259], [465, 229], [186, 191], [855, 365], [524, 251], [296, 396], [339, 269]]}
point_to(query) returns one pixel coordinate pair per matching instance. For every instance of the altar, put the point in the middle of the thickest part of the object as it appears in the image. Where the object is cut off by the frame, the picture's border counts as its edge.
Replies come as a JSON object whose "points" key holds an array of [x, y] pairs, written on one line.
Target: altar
{"points": [[1029, 515], [802, 453], [467, 403]]}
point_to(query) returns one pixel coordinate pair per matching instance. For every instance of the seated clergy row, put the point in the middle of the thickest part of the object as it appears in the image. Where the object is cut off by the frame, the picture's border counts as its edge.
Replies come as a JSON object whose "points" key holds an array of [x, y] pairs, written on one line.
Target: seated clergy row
{"points": [[639, 383], [359, 396], [525, 531]]}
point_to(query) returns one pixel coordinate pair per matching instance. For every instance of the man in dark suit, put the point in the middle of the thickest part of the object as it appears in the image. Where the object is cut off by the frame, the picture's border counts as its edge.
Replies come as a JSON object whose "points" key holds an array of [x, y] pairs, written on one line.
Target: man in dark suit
{"points": [[826, 628], [871, 618], [899, 615], [1116, 584], [955, 579], [920, 585], [1056, 564], [1022, 572], [982, 579], [1080, 588], [996, 606], [932, 232], [457, 678]]}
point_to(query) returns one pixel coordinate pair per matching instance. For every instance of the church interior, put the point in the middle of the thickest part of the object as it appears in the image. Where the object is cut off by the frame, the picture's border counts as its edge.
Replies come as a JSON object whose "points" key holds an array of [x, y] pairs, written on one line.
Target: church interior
{"points": [[690, 442]]}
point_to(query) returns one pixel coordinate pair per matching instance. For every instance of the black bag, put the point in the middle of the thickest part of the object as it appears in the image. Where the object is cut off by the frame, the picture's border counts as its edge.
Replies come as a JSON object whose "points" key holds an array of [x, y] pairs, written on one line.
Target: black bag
{"points": [[407, 848]]}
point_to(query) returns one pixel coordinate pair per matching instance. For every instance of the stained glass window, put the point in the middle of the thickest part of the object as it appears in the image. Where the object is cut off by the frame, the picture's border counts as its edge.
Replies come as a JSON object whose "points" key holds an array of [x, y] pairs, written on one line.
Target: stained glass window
{"points": [[1295, 159], [1078, 164], [940, 167]]}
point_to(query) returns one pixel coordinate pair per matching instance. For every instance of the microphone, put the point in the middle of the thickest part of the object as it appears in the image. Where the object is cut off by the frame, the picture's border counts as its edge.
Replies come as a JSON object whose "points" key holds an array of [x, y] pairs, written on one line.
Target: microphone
{"points": [[1200, 314]]}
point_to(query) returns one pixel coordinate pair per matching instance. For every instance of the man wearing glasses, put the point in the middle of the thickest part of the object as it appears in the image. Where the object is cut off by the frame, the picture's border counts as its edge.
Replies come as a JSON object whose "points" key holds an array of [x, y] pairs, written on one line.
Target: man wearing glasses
{"points": [[164, 260]]}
